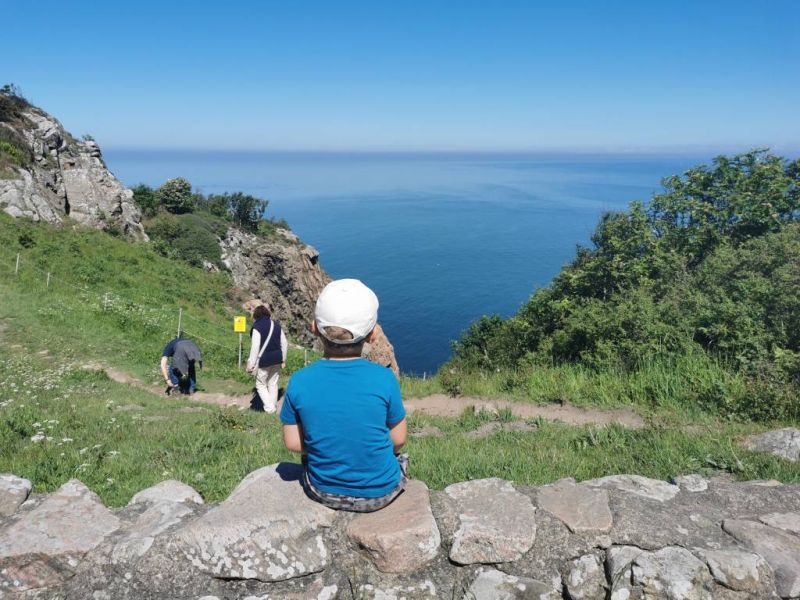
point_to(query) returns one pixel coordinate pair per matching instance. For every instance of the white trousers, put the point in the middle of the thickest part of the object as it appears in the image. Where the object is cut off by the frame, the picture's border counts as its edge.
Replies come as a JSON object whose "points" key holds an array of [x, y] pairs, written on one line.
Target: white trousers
{"points": [[267, 386]]}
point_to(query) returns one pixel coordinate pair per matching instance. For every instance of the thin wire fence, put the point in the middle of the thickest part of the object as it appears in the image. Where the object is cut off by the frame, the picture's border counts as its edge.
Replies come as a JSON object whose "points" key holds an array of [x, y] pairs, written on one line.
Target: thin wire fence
{"points": [[155, 318]]}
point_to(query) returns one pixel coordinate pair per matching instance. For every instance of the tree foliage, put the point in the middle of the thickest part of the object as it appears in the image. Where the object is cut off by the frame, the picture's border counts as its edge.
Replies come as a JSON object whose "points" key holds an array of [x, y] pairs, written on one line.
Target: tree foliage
{"points": [[175, 195], [712, 263]]}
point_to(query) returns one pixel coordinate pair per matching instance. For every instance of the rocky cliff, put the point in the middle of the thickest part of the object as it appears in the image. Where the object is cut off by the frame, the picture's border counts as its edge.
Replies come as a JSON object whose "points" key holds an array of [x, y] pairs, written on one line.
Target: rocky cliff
{"points": [[282, 273], [48, 175], [285, 274], [58, 176], [622, 537]]}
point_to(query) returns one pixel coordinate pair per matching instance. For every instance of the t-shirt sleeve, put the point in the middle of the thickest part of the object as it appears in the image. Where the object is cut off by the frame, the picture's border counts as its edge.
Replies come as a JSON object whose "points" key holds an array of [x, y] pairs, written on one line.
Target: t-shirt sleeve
{"points": [[288, 411], [397, 411]]}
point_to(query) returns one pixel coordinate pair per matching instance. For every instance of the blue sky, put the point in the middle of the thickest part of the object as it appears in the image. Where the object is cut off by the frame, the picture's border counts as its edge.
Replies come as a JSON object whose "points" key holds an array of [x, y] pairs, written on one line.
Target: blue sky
{"points": [[431, 75]]}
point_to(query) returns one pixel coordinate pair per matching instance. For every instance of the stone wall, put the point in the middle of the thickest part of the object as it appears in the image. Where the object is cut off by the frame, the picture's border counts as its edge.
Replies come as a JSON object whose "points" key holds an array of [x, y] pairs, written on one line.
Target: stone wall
{"points": [[619, 537]]}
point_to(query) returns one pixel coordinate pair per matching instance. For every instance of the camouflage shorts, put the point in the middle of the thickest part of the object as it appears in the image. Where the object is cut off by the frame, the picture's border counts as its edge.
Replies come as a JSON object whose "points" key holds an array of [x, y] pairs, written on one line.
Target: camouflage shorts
{"points": [[355, 503]]}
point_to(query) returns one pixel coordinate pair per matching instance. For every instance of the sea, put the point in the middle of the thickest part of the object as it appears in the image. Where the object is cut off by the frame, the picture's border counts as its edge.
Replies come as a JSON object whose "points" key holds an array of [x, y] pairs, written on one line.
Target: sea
{"points": [[441, 238]]}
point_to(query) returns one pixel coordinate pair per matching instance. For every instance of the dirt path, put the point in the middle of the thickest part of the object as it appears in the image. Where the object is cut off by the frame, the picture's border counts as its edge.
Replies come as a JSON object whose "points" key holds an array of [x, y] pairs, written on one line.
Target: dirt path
{"points": [[436, 404], [447, 406], [206, 397]]}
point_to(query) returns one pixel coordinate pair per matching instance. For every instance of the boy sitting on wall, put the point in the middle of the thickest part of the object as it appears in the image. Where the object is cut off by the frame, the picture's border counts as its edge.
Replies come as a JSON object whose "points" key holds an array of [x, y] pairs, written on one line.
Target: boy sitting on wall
{"points": [[344, 413]]}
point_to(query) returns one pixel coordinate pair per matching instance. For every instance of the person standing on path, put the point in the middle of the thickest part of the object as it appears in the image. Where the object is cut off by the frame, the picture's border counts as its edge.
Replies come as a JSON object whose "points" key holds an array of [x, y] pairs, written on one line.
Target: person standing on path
{"points": [[267, 356]]}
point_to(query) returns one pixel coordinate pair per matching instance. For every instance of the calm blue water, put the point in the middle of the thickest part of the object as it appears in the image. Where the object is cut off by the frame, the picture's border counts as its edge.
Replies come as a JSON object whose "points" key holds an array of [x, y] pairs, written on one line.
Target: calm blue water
{"points": [[442, 239]]}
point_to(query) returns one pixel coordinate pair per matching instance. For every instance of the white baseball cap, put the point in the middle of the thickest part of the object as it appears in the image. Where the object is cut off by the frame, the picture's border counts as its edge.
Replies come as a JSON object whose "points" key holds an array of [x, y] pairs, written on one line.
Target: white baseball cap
{"points": [[349, 304]]}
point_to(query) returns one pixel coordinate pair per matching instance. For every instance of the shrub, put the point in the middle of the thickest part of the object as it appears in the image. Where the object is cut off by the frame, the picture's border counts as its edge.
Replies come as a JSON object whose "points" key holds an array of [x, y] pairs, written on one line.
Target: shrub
{"points": [[711, 263], [146, 199], [192, 238], [175, 195]]}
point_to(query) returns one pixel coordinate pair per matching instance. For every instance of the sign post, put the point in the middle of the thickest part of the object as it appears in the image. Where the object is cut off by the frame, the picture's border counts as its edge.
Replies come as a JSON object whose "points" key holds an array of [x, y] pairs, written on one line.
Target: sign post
{"points": [[240, 326]]}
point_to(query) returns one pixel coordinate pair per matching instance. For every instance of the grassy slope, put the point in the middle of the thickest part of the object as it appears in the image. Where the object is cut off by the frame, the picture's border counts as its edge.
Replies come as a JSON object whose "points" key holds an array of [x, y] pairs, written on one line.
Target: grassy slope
{"points": [[119, 452]]}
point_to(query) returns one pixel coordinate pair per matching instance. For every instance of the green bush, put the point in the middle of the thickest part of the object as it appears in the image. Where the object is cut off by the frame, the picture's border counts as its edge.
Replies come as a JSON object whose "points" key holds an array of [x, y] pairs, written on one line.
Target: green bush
{"points": [[146, 199], [193, 238], [711, 263], [175, 195]]}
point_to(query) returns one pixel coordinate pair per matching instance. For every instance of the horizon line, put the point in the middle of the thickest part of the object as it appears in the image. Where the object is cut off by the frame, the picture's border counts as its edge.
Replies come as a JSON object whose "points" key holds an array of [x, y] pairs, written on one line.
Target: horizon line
{"points": [[645, 150]]}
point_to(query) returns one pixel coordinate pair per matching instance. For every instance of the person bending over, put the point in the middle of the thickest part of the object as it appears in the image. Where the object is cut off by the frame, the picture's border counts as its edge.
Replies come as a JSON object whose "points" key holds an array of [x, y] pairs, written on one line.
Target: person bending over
{"points": [[182, 372], [344, 413]]}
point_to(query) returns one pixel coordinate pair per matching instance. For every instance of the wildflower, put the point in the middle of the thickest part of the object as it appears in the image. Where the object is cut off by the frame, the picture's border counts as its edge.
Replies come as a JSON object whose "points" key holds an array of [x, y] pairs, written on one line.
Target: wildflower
{"points": [[66, 440], [37, 438], [97, 446], [83, 450], [113, 453]]}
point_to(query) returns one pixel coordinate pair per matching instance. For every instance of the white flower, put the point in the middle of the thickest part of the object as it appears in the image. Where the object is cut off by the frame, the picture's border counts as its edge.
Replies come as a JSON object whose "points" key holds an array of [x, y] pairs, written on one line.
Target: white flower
{"points": [[67, 440], [37, 438]]}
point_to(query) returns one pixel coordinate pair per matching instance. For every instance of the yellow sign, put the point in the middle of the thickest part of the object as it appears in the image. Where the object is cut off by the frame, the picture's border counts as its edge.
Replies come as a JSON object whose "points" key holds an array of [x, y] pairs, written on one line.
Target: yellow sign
{"points": [[239, 324]]}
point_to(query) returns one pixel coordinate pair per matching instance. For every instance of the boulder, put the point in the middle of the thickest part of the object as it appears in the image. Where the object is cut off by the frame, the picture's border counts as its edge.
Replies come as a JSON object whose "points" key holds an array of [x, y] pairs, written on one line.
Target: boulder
{"points": [[585, 578], [740, 571], [425, 590], [645, 487], [496, 523], [784, 443], [780, 549], [170, 490], [13, 492], [267, 529], [789, 521], [139, 538], [672, 573], [619, 566], [44, 546], [402, 537], [581, 508], [691, 483], [491, 584]]}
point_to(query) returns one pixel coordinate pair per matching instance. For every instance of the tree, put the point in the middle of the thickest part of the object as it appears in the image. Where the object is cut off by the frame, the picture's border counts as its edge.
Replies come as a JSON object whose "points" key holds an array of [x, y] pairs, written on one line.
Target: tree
{"points": [[145, 198], [175, 195], [246, 211]]}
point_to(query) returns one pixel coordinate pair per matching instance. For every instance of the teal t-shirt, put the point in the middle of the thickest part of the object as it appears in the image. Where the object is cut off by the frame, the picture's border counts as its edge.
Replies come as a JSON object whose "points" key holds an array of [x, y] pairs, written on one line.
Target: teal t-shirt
{"points": [[345, 409]]}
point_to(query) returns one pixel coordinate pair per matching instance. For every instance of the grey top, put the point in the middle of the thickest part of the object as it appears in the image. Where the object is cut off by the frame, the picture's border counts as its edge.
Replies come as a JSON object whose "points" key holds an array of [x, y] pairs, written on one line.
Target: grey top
{"points": [[183, 352]]}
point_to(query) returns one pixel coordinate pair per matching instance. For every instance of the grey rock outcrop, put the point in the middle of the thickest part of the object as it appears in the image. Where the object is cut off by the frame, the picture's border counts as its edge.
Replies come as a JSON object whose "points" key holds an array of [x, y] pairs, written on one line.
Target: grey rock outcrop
{"points": [[13, 492], [638, 485], [580, 507], [784, 443], [43, 547], [491, 584], [780, 549], [496, 523], [65, 178], [168, 491], [267, 529], [283, 275]]}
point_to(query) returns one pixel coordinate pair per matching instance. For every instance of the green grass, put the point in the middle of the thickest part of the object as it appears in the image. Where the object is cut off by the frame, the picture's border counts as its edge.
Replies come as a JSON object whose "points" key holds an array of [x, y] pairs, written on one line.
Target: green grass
{"points": [[689, 385], [115, 303], [83, 434]]}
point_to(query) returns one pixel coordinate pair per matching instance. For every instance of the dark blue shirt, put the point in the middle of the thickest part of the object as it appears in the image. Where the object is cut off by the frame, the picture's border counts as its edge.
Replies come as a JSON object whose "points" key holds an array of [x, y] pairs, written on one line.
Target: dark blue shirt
{"points": [[345, 409]]}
